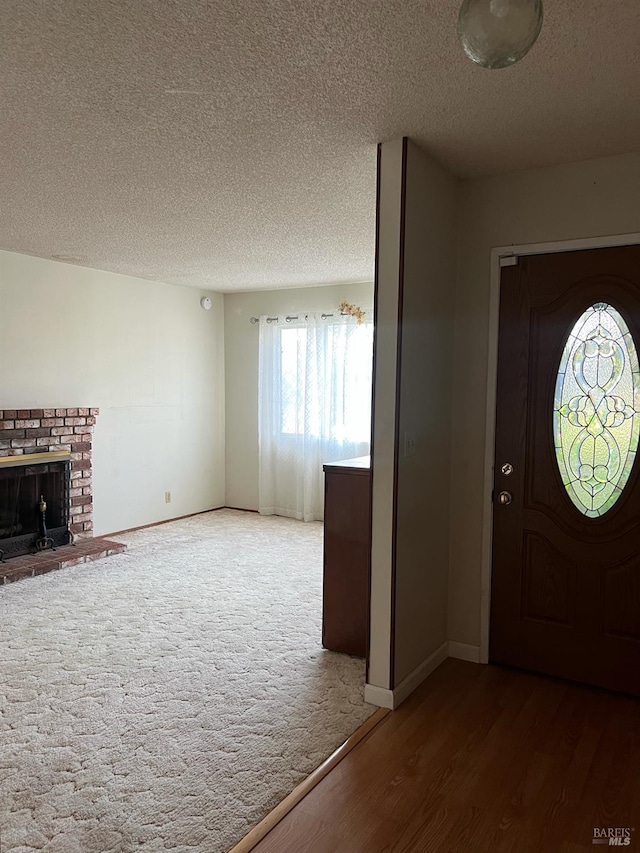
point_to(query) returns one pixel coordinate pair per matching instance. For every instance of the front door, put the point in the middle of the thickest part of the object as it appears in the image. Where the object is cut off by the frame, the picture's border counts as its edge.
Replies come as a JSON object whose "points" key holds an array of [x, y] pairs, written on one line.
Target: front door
{"points": [[565, 590]]}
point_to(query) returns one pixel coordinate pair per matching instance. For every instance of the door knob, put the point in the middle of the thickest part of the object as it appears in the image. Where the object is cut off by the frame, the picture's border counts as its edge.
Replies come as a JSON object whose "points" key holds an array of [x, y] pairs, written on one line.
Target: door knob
{"points": [[505, 498]]}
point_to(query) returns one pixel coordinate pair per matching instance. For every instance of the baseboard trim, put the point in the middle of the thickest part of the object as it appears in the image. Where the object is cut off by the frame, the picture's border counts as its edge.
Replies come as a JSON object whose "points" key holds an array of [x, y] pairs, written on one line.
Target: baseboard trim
{"points": [[158, 523], [393, 698], [464, 651], [254, 836], [409, 684], [380, 696]]}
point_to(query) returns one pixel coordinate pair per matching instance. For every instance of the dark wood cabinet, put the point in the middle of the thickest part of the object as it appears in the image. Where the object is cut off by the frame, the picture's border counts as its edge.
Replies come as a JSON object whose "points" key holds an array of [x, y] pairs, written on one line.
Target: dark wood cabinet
{"points": [[347, 550]]}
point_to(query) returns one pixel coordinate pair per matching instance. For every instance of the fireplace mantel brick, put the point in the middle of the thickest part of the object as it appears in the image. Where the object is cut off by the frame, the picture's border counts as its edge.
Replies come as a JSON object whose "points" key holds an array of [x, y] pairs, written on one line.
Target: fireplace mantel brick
{"points": [[40, 430]]}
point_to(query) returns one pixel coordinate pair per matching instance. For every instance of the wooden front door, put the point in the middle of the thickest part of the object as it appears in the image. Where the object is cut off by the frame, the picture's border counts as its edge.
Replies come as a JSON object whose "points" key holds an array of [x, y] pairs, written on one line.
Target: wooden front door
{"points": [[565, 592]]}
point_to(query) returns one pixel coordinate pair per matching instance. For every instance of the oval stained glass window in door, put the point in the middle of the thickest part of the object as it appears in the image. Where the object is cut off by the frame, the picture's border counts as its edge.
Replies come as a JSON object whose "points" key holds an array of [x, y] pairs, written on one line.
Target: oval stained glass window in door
{"points": [[597, 409]]}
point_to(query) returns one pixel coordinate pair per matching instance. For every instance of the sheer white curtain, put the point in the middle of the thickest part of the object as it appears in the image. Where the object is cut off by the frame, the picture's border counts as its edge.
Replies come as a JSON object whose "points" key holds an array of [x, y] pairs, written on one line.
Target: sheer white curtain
{"points": [[314, 407]]}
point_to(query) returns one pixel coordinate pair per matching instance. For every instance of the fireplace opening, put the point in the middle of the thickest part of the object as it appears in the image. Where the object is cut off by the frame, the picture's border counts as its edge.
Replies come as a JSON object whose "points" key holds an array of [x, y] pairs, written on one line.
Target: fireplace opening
{"points": [[34, 503]]}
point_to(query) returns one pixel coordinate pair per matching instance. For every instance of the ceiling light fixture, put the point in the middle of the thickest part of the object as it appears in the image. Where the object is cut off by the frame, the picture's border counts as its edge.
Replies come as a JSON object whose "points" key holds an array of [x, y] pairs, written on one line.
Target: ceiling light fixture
{"points": [[497, 33]]}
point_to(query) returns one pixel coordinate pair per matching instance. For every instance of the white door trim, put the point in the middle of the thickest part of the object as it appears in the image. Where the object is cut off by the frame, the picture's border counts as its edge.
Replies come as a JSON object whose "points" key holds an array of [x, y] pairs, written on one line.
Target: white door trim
{"points": [[492, 370]]}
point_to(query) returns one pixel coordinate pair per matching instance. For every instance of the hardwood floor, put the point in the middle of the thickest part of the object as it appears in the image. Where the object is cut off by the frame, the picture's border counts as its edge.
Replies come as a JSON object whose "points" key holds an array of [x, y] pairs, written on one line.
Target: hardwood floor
{"points": [[480, 758]]}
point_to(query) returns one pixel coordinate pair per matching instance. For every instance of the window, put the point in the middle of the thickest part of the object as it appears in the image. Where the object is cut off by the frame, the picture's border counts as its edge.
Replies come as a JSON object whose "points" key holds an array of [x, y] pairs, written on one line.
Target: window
{"points": [[596, 417], [343, 409], [314, 406]]}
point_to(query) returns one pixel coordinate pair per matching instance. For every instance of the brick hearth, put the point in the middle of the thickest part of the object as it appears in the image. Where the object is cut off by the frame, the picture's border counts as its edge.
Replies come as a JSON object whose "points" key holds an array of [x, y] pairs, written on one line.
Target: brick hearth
{"points": [[41, 430], [26, 431], [85, 551]]}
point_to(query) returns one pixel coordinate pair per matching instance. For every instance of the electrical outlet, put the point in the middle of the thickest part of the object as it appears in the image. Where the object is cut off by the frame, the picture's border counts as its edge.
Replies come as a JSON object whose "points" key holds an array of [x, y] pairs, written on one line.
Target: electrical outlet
{"points": [[167, 497], [409, 443]]}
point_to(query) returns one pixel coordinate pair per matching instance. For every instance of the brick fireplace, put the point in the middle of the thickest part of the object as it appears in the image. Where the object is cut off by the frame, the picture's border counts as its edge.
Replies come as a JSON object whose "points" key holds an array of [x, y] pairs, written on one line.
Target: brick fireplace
{"points": [[61, 433], [29, 431]]}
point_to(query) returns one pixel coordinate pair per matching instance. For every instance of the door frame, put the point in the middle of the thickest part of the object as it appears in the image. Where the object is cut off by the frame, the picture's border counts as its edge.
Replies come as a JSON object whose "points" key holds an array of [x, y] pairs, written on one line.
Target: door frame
{"points": [[499, 258]]}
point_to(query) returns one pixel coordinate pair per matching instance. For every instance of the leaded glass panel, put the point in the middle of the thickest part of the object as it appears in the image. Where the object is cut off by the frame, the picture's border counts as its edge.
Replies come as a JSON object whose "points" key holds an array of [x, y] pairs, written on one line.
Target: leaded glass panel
{"points": [[597, 409]]}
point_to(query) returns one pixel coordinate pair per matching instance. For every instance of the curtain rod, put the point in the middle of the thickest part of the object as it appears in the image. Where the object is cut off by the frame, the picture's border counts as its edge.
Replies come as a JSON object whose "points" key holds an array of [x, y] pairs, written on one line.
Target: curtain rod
{"points": [[288, 318]]}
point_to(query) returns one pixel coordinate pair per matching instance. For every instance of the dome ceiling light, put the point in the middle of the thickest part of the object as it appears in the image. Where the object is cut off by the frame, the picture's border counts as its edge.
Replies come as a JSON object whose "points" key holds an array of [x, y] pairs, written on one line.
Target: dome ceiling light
{"points": [[497, 33]]}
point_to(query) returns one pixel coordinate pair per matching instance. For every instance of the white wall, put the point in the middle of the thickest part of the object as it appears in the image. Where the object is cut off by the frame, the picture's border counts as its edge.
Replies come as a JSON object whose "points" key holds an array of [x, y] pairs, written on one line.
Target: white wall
{"points": [[588, 199], [422, 550], [147, 355], [410, 537], [241, 366], [386, 380]]}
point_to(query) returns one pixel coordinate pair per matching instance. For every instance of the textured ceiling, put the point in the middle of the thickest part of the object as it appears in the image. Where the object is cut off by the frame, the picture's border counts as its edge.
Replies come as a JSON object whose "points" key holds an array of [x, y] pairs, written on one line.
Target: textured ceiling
{"points": [[230, 144]]}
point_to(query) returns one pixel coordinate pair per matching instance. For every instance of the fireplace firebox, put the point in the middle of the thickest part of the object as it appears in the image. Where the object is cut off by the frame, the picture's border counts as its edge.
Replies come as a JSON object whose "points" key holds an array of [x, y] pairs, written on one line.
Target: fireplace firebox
{"points": [[34, 502]]}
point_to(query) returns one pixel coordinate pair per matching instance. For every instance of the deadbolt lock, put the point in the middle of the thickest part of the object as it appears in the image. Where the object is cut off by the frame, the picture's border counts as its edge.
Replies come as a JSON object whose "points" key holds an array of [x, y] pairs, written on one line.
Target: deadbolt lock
{"points": [[507, 469]]}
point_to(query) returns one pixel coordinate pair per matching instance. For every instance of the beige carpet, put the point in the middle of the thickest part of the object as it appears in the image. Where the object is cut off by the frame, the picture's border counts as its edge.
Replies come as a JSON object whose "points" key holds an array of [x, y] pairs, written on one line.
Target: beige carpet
{"points": [[169, 697]]}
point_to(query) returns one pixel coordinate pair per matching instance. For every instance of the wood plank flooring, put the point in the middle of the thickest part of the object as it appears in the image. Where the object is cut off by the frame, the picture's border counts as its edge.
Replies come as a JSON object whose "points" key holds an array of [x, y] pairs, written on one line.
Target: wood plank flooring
{"points": [[480, 758]]}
